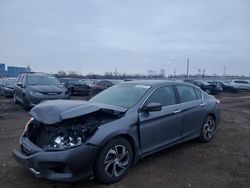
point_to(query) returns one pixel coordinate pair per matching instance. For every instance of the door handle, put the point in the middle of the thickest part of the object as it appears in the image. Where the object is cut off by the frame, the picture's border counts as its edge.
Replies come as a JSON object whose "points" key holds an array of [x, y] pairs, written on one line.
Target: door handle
{"points": [[202, 104], [177, 111]]}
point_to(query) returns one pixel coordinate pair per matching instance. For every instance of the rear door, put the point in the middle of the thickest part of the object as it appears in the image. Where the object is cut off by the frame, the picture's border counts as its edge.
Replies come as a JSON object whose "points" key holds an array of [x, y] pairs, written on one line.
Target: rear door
{"points": [[193, 109], [160, 128]]}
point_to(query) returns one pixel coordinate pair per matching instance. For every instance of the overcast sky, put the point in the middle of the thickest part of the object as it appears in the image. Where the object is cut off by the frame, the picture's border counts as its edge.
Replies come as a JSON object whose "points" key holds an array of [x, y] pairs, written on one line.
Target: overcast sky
{"points": [[133, 36]]}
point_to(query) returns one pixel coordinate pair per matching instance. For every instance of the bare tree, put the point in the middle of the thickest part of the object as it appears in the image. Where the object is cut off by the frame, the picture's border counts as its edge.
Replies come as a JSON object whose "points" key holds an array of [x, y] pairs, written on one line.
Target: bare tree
{"points": [[61, 73], [162, 73], [199, 72], [72, 73], [152, 73]]}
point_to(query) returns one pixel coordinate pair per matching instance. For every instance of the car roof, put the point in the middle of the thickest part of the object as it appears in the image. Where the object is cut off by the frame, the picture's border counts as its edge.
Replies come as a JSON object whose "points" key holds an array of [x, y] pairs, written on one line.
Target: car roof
{"points": [[69, 78], [156, 82]]}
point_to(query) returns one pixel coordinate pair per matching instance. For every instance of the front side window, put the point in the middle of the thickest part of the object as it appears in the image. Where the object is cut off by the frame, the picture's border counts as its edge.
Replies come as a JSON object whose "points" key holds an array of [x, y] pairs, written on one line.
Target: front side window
{"points": [[163, 95], [186, 93]]}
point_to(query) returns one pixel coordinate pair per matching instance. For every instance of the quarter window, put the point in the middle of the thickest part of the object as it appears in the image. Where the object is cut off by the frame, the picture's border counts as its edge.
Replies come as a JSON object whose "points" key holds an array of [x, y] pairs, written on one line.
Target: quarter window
{"points": [[164, 95], [186, 93]]}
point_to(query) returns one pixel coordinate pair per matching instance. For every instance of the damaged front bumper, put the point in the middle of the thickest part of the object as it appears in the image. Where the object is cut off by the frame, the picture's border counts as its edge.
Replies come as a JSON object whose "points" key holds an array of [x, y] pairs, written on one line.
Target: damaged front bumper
{"points": [[68, 165]]}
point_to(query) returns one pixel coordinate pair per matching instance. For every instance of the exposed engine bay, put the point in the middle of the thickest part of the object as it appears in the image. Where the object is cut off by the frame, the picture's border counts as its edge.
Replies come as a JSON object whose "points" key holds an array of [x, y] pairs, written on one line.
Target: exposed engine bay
{"points": [[68, 133]]}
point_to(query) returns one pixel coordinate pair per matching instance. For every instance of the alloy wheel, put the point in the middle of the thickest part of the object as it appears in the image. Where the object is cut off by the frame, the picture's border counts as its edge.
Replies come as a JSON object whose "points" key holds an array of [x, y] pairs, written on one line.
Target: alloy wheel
{"points": [[116, 161], [209, 128]]}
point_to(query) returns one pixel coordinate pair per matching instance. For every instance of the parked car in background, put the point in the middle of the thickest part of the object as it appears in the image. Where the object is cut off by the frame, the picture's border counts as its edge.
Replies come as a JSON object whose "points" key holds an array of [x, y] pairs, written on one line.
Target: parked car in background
{"points": [[101, 85], [209, 88], [241, 84], [89, 82], [33, 88], [7, 87], [227, 87], [1, 82], [75, 86], [104, 137]]}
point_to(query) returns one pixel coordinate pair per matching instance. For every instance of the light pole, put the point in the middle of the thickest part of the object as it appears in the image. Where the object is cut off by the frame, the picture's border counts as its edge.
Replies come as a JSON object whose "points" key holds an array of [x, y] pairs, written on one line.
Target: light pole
{"points": [[169, 62]]}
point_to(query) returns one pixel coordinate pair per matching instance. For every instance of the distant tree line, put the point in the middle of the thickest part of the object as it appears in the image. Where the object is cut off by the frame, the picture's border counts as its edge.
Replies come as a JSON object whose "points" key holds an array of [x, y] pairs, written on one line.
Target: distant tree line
{"points": [[150, 75], [112, 75]]}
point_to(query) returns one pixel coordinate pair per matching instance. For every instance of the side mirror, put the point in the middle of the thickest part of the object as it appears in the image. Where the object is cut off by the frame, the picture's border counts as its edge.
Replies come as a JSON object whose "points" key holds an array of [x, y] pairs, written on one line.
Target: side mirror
{"points": [[152, 107]]}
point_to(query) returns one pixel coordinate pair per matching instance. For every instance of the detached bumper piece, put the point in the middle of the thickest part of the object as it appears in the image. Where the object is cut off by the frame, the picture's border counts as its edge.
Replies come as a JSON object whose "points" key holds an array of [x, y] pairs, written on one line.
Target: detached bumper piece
{"points": [[68, 166]]}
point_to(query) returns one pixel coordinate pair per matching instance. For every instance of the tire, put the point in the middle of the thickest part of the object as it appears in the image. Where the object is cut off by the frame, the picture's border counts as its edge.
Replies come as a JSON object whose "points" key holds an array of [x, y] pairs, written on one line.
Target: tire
{"points": [[208, 91], [114, 161], [4, 94], [208, 129], [14, 99]]}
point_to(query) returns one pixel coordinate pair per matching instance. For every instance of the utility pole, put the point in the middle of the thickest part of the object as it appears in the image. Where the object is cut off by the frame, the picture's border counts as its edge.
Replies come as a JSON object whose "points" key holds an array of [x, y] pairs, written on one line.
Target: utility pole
{"points": [[168, 67], [224, 71], [187, 67]]}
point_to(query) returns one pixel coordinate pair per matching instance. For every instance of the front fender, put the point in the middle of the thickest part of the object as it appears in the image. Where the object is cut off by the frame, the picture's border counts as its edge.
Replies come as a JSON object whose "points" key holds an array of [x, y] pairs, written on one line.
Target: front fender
{"points": [[127, 127]]}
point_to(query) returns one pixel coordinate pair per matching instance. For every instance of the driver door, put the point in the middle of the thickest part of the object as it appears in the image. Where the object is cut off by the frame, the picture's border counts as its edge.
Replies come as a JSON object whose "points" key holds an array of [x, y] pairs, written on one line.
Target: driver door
{"points": [[159, 128]]}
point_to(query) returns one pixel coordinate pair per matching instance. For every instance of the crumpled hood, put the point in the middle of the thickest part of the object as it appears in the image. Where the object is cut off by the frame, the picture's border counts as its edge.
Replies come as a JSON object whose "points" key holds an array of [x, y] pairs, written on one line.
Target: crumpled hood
{"points": [[47, 88], [54, 111]]}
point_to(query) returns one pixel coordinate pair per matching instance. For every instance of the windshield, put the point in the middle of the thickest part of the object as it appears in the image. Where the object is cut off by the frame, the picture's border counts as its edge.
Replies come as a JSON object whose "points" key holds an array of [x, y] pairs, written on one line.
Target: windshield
{"points": [[42, 80], [124, 95], [10, 82]]}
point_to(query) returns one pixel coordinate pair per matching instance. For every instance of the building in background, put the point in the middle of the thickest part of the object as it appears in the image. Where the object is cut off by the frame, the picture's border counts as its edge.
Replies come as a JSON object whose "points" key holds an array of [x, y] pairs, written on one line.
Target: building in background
{"points": [[2, 70], [15, 71]]}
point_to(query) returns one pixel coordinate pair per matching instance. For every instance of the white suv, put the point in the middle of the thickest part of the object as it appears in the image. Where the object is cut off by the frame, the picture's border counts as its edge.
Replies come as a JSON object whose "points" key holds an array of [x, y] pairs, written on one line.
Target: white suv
{"points": [[241, 84]]}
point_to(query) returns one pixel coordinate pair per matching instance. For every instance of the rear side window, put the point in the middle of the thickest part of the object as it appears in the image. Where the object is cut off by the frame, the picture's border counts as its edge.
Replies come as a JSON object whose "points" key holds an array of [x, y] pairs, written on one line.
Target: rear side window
{"points": [[164, 95], [198, 93], [186, 93]]}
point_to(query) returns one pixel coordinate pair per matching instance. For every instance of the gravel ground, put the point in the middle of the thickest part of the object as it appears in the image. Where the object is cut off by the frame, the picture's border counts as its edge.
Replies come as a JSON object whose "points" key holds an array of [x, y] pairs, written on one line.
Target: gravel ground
{"points": [[224, 162]]}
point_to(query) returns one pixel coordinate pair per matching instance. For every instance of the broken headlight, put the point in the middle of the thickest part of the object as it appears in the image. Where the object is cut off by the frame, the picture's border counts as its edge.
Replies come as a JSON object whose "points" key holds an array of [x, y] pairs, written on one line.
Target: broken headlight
{"points": [[28, 123], [68, 138]]}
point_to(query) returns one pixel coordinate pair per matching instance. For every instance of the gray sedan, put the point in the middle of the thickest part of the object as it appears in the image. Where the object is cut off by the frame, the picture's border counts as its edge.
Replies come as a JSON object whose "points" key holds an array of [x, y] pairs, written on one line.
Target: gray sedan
{"points": [[70, 140]]}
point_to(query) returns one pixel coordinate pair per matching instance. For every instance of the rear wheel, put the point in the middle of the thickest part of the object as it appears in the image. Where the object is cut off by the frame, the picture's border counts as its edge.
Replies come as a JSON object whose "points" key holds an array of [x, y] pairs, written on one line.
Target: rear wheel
{"points": [[208, 129], [114, 161]]}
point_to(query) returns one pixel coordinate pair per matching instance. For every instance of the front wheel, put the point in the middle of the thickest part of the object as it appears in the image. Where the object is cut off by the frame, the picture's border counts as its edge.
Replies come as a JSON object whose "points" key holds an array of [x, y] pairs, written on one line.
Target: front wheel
{"points": [[208, 129], [114, 161], [208, 91], [15, 99], [26, 105]]}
